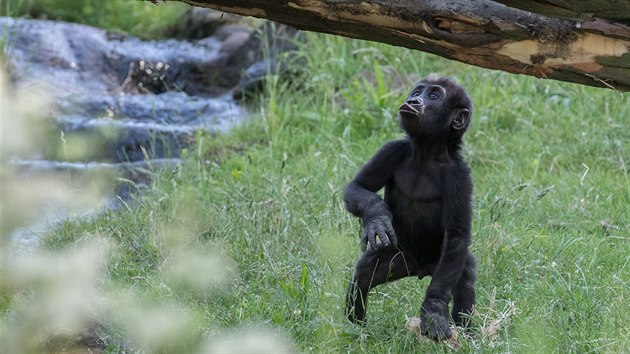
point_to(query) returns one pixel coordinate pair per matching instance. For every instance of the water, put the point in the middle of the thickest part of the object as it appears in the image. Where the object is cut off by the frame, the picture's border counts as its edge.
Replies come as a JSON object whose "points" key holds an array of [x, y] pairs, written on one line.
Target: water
{"points": [[146, 99]]}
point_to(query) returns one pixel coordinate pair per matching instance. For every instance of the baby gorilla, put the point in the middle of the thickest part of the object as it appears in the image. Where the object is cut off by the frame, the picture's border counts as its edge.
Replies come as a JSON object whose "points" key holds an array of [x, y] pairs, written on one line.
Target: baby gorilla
{"points": [[423, 225]]}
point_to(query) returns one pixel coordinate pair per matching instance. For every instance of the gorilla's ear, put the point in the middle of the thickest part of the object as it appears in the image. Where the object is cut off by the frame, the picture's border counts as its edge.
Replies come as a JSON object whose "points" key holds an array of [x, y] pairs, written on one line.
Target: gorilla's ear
{"points": [[462, 119]]}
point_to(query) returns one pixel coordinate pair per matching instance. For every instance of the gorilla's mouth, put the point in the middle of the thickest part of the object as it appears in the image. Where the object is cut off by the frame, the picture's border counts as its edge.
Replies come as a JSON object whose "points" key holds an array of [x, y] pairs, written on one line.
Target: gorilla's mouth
{"points": [[411, 109]]}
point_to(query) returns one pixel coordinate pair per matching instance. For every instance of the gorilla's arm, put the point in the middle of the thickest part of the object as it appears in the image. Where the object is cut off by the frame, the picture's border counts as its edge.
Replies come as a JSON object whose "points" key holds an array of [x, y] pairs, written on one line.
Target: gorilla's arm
{"points": [[361, 199], [457, 188]]}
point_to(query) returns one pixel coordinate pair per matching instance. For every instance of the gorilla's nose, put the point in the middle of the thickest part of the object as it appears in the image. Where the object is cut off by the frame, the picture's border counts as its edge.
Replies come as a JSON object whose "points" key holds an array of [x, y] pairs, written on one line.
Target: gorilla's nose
{"points": [[416, 101]]}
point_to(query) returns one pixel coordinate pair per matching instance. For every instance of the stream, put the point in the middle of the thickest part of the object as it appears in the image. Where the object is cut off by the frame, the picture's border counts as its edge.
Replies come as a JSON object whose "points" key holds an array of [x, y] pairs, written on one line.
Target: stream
{"points": [[135, 103]]}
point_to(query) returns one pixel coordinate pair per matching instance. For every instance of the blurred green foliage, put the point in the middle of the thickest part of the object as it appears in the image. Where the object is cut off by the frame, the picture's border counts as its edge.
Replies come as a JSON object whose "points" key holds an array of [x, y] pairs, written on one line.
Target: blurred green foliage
{"points": [[136, 17]]}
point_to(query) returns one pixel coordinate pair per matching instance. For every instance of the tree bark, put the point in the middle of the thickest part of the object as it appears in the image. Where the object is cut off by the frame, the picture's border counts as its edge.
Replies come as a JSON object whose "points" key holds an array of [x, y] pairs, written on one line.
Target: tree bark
{"points": [[586, 42]]}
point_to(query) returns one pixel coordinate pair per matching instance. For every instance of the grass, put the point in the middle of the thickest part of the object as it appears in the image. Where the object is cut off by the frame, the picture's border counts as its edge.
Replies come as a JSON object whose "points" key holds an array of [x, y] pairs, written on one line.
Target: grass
{"points": [[258, 213]]}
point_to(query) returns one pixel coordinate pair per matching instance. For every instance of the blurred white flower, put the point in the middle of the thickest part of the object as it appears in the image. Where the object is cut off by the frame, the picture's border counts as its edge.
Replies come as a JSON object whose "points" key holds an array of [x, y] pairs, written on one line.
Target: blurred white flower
{"points": [[59, 294], [199, 269], [153, 326], [23, 111], [25, 133], [254, 340]]}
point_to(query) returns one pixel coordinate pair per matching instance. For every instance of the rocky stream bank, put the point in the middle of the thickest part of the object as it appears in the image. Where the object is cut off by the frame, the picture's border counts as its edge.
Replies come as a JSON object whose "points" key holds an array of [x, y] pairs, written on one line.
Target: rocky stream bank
{"points": [[137, 103]]}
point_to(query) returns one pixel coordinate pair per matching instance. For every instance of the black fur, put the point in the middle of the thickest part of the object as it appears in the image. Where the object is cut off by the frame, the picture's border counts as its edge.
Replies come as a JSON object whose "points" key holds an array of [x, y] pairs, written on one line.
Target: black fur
{"points": [[423, 225]]}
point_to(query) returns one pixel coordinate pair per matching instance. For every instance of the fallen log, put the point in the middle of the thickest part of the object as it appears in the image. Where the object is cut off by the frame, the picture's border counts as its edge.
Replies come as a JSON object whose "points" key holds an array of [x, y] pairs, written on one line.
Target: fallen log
{"points": [[586, 42]]}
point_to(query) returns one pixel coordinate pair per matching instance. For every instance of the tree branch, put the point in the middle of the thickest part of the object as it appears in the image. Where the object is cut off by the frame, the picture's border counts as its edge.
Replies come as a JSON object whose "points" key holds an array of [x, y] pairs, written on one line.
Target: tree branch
{"points": [[579, 47]]}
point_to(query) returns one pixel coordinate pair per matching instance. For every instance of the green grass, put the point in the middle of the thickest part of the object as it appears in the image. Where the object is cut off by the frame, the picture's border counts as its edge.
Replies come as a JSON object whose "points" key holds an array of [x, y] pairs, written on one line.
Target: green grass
{"points": [[551, 221]]}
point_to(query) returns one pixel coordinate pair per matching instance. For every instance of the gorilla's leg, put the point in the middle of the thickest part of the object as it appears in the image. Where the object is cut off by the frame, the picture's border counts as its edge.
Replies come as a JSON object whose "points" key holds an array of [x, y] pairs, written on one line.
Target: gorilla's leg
{"points": [[374, 268]]}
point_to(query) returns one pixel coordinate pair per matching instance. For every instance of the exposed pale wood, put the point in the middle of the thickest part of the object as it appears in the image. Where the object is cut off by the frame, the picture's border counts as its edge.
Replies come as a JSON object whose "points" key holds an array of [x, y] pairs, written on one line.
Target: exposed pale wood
{"points": [[585, 42]]}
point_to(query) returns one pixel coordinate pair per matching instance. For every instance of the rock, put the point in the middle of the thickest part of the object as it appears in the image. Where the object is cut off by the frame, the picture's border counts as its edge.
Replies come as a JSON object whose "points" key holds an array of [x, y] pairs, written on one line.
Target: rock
{"points": [[69, 56], [281, 43], [200, 22], [235, 41], [131, 126], [224, 32]]}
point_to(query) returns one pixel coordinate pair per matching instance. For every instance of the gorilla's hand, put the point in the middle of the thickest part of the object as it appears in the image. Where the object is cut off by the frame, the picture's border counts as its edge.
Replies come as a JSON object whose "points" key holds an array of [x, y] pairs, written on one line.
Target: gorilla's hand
{"points": [[433, 320], [381, 226]]}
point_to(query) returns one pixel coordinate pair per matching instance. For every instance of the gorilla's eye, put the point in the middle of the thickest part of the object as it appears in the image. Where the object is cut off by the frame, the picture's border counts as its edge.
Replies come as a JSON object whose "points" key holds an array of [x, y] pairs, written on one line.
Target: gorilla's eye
{"points": [[433, 95], [417, 91]]}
